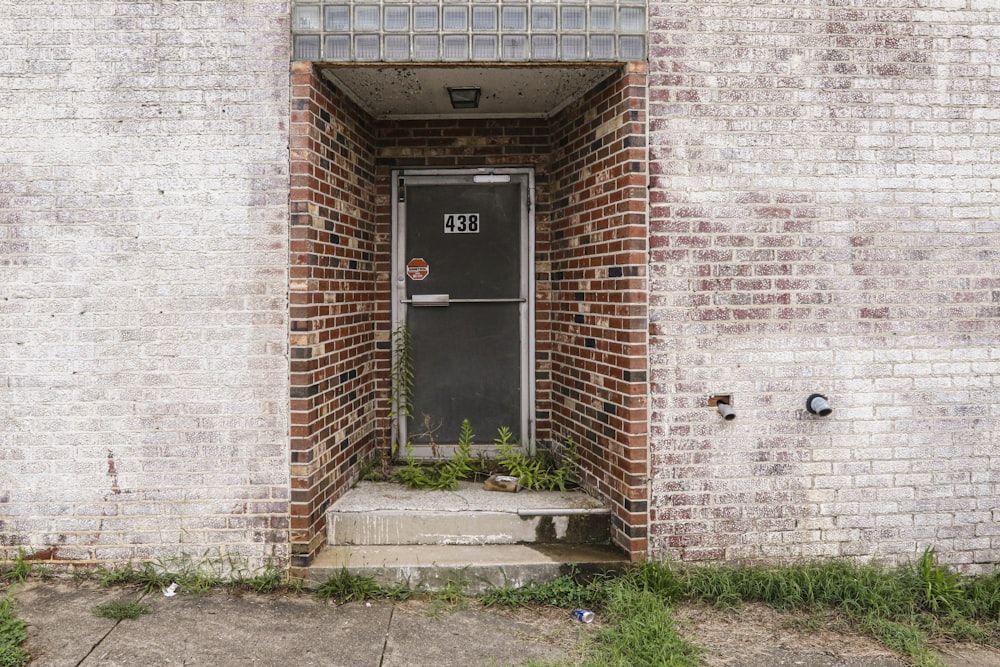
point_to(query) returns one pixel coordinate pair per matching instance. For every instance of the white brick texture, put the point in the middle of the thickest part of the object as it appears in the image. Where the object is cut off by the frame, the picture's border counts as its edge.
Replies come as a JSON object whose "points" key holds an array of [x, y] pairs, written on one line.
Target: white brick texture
{"points": [[825, 217], [143, 278]]}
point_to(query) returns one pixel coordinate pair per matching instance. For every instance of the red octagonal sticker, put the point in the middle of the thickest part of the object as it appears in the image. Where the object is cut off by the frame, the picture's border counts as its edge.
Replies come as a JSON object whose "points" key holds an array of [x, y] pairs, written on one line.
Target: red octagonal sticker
{"points": [[417, 268]]}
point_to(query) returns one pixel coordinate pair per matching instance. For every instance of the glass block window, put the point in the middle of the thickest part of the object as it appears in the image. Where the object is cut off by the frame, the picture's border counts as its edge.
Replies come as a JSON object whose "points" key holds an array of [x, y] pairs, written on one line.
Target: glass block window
{"points": [[469, 30], [515, 18]]}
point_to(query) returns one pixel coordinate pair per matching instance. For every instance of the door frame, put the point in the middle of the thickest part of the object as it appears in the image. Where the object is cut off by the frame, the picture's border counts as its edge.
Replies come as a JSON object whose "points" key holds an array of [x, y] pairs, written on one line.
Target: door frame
{"points": [[473, 176]]}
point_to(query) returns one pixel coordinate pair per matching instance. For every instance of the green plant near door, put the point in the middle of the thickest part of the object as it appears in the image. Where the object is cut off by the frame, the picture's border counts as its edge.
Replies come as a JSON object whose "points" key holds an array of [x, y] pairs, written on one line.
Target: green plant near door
{"points": [[400, 405], [538, 472], [444, 475], [401, 374]]}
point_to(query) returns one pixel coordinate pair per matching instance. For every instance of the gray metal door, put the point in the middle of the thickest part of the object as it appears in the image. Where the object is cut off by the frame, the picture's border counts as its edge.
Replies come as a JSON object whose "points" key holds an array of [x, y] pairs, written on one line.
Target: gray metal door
{"points": [[462, 286]]}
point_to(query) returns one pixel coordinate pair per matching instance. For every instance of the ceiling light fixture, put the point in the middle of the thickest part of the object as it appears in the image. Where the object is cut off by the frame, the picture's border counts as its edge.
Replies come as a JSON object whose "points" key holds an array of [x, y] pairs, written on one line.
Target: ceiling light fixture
{"points": [[465, 98]]}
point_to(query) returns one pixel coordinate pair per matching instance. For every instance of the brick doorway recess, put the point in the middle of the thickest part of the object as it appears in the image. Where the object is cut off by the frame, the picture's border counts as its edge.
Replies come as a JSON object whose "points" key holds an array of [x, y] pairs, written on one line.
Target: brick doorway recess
{"points": [[591, 250]]}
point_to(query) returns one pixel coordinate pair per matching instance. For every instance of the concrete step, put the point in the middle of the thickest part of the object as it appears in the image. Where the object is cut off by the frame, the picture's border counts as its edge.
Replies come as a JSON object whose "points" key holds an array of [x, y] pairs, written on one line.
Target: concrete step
{"points": [[389, 514], [475, 569], [478, 539]]}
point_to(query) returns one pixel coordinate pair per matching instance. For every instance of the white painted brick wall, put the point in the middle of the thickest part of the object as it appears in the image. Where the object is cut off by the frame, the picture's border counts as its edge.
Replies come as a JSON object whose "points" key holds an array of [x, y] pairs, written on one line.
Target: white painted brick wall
{"points": [[826, 217], [143, 288]]}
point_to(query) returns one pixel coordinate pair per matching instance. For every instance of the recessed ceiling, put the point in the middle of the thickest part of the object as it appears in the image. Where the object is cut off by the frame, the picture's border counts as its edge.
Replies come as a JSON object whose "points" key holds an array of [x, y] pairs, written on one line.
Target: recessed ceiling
{"points": [[407, 92]]}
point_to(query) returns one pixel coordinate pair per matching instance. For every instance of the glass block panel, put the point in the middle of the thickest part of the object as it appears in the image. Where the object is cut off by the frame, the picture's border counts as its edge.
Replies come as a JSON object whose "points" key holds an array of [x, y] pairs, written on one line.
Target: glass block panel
{"points": [[337, 18], [476, 30], [397, 18], [484, 47], [456, 18], [543, 18], [602, 47], [397, 47], [366, 47], [514, 18], [574, 47], [573, 18], [633, 19], [456, 47], [484, 18], [337, 47], [543, 47], [632, 47], [307, 47], [307, 18], [515, 47], [425, 18], [425, 47], [366, 17], [602, 18]]}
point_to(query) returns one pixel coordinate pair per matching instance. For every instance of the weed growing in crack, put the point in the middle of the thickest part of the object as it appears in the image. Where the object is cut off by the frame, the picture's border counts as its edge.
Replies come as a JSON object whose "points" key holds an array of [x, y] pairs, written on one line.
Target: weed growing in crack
{"points": [[197, 575], [18, 569], [121, 610], [344, 586], [566, 591]]}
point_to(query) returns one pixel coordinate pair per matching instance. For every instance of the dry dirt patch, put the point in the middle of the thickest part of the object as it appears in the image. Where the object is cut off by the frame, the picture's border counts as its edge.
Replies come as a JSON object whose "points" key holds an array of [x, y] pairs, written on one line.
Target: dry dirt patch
{"points": [[752, 636], [759, 635]]}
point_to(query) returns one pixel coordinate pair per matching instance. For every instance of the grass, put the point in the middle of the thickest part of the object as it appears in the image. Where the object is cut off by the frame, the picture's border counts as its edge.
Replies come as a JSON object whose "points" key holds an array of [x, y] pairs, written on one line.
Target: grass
{"points": [[567, 591], [642, 632], [196, 576], [343, 587], [16, 570], [903, 608], [121, 610], [12, 635], [12, 629]]}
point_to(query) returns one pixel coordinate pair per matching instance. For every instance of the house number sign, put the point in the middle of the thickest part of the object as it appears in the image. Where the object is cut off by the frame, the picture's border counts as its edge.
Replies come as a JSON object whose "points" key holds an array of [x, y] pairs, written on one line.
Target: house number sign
{"points": [[461, 223]]}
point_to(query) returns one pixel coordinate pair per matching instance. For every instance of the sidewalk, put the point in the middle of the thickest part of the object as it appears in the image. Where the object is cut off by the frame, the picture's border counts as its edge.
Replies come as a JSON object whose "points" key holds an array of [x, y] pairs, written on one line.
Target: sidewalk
{"points": [[221, 630]]}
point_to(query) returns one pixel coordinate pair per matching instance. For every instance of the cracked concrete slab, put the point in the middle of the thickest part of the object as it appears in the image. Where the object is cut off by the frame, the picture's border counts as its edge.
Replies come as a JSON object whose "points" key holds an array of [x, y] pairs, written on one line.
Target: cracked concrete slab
{"points": [[62, 630], [222, 629], [461, 638], [227, 630], [218, 629]]}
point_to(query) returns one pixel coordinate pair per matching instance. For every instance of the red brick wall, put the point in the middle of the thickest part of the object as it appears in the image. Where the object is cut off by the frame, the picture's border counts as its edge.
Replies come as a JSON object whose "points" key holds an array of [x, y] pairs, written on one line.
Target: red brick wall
{"points": [[598, 304], [589, 259], [332, 301]]}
